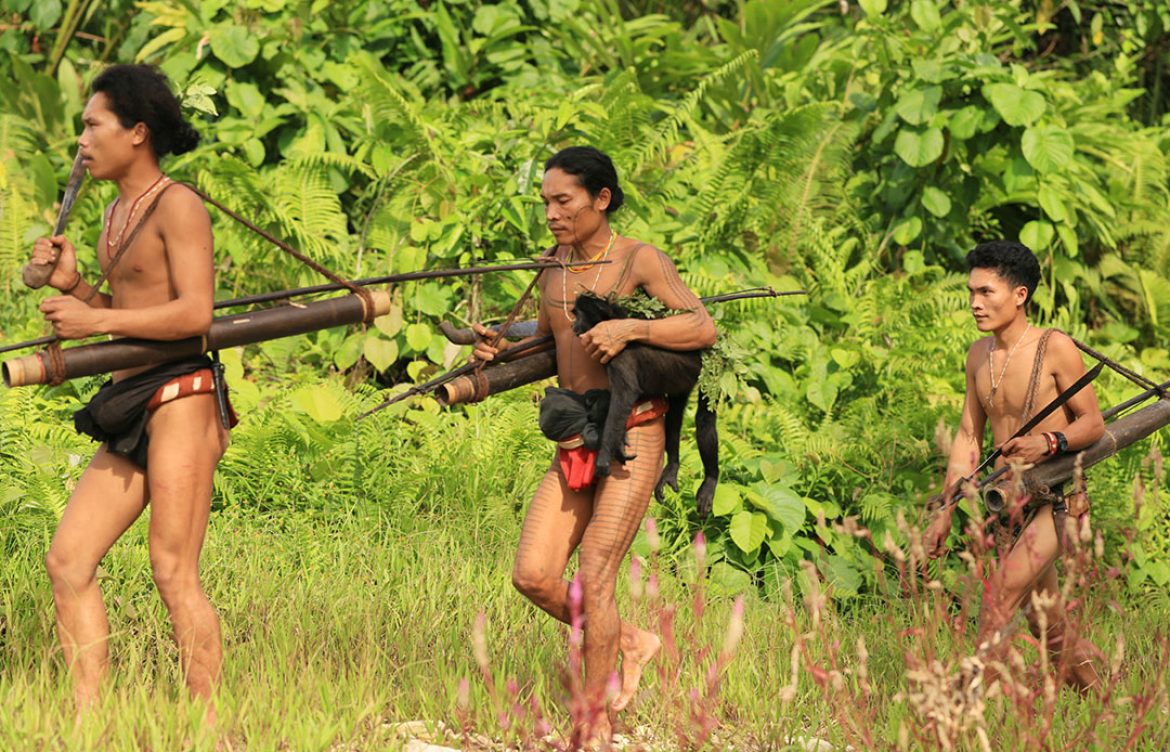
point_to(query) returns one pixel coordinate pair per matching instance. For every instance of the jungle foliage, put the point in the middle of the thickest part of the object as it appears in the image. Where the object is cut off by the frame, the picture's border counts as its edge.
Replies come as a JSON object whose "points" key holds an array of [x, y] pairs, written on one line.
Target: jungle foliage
{"points": [[854, 150]]}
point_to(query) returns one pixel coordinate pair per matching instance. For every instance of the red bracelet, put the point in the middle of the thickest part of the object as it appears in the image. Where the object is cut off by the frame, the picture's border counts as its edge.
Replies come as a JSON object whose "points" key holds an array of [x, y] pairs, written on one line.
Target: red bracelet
{"points": [[1051, 441]]}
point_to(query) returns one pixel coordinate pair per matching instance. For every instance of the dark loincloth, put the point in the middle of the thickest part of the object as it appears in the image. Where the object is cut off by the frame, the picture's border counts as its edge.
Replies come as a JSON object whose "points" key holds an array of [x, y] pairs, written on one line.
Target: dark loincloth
{"points": [[118, 413], [576, 421]]}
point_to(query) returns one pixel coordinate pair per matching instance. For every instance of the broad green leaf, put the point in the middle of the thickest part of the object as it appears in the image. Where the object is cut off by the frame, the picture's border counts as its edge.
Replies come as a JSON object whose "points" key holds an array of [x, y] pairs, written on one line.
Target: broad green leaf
{"points": [[349, 352], [1048, 148], [418, 336], [1015, 105], [925, 14], [728, 580], [907, 230], [873, 8], [779, 546], [1037, 235], [773, 471], [391, 323], [1051, 203], [935, 201], [1068, 237], [780, 503], [44, 14], [318, 402], [1159, 572], [917, 106], [254, 151], [421, 230], [964, 123], [727, 500], [846, 359], [433, 299], [380, 352], [919, 148], [198, 97], [932, 71], [822, 393], [913, 262], [246, 97], [233, 44], [747, 530]]}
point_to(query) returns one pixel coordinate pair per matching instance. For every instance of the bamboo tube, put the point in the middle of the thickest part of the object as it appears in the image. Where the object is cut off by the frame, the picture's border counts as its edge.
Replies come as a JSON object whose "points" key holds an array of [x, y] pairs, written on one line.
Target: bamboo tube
{"points": [[500, 378], [1118, 435], [227, 331]]}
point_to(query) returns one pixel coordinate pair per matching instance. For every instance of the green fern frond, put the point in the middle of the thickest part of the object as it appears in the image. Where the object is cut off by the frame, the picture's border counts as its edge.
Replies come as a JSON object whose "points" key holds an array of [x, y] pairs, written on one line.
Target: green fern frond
{"points": [[667, 131]]}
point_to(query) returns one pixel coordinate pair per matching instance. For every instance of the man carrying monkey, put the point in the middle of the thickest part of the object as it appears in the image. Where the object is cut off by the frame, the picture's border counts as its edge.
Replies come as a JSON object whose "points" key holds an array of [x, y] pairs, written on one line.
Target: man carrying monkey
{"points": [[1011, 375], [572, 508], [161, 429]]}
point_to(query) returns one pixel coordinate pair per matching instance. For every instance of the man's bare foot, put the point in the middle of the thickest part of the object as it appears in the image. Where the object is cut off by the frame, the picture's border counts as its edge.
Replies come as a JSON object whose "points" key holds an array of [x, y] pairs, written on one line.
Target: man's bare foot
{"points": [[598, 736], [640, 650]]}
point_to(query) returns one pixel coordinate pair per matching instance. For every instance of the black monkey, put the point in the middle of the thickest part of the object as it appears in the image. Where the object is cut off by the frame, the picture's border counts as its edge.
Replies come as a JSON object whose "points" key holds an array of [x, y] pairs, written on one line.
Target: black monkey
{"points": [[640, 371]]}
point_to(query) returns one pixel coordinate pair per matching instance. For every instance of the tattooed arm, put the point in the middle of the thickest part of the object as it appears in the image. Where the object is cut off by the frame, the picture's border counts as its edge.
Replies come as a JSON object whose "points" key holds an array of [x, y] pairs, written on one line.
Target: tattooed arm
{"points": [[656, 274]]}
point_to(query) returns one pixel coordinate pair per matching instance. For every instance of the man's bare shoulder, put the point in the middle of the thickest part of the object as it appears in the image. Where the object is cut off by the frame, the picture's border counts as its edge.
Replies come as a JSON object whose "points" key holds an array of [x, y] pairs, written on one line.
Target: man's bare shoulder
{"points": [[977, 352], [646, 261], [1062, 348], [179, 200]]}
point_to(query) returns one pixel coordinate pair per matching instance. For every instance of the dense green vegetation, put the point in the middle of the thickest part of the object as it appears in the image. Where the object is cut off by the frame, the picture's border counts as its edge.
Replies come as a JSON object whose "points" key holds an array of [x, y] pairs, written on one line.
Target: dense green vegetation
{"points": [[854, 150]]}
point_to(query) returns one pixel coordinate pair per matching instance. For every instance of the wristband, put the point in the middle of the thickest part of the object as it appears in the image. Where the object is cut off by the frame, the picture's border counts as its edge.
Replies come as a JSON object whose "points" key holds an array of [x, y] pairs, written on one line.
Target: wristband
{"points": [[76, 281], [1061, 442], [1050, 444]]}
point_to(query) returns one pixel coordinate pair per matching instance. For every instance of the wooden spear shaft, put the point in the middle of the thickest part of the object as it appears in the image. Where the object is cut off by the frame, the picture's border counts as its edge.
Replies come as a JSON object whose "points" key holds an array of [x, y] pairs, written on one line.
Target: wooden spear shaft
{"points": [[386, 279]]}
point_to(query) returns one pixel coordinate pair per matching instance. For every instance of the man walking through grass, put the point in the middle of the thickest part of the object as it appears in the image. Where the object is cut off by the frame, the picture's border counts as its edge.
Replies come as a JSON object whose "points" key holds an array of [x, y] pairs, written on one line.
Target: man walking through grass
{"points": [[1011, 375], [573, 510], [161, 429]]}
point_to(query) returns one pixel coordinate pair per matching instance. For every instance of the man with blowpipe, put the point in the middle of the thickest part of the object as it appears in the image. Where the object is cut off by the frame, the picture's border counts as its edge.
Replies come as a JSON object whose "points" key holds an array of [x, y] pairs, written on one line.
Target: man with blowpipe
{"points": [[574, 509], [164, 428], [1018, 372]]}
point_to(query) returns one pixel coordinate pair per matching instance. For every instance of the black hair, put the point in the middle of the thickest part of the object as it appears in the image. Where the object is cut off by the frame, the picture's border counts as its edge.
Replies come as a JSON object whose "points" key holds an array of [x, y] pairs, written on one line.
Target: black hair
{"points": [[593, 169], [1013, 261], [142, 94]]}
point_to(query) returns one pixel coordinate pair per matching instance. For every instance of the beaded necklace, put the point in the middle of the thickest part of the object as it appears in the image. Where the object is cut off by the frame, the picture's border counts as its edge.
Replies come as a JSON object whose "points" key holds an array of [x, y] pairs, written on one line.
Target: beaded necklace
{"points": [[112, 242], [568, 268]]}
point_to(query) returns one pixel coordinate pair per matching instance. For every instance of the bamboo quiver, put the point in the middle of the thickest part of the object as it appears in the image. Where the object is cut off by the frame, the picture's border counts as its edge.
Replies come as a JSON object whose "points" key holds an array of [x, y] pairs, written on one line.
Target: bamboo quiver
{"points": [[499, 378], [227, 331], [1119, 434]]}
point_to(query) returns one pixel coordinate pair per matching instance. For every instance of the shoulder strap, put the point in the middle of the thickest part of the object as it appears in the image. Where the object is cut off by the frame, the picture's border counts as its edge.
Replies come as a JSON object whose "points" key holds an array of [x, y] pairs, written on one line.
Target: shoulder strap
{"points": [[127, 243], [1034, 381]]}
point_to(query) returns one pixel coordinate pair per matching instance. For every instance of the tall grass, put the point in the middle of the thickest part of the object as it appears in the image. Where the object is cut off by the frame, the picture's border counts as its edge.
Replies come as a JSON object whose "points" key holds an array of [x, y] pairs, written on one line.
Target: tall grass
{"points": [[345, 616]]}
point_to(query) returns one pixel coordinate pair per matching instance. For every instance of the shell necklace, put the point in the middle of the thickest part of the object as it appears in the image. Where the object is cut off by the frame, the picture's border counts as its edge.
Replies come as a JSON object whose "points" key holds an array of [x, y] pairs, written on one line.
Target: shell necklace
{"points": [[995, 383]]}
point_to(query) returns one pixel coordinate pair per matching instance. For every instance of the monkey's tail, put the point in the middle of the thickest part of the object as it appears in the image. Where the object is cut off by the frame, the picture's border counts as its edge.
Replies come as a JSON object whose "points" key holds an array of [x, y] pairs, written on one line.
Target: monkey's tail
{"points": [[707, 437]]}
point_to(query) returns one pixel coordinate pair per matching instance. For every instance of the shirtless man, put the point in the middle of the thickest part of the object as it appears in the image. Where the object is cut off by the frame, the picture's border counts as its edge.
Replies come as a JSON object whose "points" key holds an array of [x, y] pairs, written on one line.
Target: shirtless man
{"points": [[1001, 388], [599, 516], [164, 418]]}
